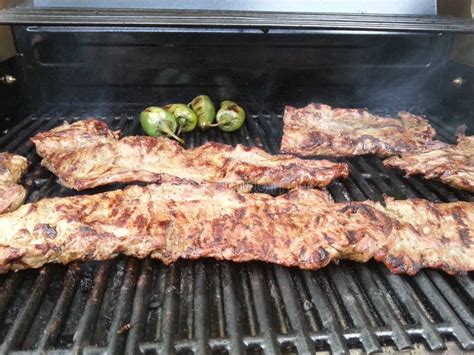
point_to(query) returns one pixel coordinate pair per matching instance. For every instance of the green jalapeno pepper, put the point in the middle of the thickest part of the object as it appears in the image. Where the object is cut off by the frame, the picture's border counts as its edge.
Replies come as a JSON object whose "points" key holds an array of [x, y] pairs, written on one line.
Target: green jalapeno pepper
{"points": [[205, 111], [185, 117], [230, 116], [156, 121]]}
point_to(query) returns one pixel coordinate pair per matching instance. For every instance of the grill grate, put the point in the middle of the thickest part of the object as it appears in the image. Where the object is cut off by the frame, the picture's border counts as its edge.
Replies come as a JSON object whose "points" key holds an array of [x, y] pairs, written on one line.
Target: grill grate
{"points": [[222, 307]]}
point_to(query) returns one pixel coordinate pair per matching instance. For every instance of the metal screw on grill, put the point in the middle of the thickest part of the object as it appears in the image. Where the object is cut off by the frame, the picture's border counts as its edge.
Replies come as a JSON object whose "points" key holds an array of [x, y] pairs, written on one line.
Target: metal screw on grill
{"points": [[458, 81], [7, 79]]}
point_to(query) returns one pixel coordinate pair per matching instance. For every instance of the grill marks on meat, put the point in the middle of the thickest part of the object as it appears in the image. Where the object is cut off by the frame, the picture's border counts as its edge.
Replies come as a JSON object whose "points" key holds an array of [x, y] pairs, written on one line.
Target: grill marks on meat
{"points": [[12, 195], [87, 154], [323, 130], [303, 228], [451, 164]]}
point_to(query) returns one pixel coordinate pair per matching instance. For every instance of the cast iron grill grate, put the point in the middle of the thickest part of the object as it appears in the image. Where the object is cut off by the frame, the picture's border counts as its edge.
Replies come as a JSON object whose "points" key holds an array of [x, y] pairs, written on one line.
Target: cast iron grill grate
{"points": [[222, 307]]}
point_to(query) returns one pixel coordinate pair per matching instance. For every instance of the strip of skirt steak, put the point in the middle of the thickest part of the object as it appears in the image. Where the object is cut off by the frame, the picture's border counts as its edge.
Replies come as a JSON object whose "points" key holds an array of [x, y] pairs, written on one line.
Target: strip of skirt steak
{"points": [[303, 228], [451, 164], [323, 130], [87, 154]]}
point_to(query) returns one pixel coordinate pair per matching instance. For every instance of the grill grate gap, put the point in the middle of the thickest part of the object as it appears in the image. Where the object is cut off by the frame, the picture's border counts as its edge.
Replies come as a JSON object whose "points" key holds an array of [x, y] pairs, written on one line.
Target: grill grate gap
{"points": [[18, 297], [248, 308], [364, 300], [282, 323], [334, 299], [141, 304], [309, 308], [424, 301], [40, 322], [155, 310], [185, 322], [392, 296], [106, 313]]}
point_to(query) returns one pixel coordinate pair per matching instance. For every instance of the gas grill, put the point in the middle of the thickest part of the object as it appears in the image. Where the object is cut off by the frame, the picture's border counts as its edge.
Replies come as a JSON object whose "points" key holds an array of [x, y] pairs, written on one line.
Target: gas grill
{"points": [[75, 63]]}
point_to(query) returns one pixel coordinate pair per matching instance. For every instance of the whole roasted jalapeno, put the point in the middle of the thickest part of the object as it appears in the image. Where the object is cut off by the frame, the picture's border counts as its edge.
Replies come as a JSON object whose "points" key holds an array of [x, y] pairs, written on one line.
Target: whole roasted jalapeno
{"points": [[185, 117], [205, 111], [230, 116], [156, 121]]}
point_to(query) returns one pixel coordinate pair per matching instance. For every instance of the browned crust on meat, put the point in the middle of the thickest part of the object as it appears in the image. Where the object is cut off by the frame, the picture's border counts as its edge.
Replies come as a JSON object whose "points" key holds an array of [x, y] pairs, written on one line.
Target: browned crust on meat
{"points": [[12, 168], [323, 130], [303, 228], [86, 154], [451, 164]]}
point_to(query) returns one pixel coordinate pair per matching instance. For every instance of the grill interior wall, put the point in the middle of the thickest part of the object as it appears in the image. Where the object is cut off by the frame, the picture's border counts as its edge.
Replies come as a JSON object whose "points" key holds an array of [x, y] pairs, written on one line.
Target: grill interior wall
{"points": [[226, 307], [142, 65]]}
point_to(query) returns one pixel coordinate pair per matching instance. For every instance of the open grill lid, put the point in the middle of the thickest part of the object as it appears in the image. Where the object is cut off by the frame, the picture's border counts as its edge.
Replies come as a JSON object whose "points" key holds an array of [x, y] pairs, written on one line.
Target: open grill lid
{"points": [[393, 7], [373, 15]]}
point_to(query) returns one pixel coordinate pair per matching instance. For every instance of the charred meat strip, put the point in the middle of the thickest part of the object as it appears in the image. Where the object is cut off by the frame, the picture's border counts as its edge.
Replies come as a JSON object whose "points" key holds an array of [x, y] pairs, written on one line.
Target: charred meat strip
{"points": [[451, 164], [303, 228], [323, 130], [86, 154], [12, 195]]}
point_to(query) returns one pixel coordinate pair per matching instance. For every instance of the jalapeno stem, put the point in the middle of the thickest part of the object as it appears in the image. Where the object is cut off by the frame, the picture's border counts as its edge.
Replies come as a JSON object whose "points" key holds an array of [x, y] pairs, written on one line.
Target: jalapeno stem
{"points": [[223, 122], [162, 126]]}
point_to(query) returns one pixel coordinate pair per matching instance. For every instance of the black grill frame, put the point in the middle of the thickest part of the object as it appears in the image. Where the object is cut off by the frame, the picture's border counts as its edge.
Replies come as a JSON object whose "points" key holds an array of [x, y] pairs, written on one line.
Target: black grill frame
{"points": [[204, 306]]}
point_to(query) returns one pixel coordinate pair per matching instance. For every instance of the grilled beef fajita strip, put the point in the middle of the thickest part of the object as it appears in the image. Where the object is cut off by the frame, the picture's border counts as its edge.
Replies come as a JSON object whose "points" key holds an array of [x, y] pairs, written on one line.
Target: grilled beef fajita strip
{"points": [[303, 228], [12, 195], [86, 154], [451, 164], [323, 130]]}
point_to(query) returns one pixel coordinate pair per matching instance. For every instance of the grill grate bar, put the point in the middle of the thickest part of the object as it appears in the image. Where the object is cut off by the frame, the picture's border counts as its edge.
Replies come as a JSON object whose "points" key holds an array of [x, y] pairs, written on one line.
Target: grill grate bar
{"points": [[140, 307], [91, 311], [35, 126], [62, 307], [447, 135], [170, 314], [186, 301], [7, 136], [8, 289], [294, 310], [276, 308], [401, 189], [11, 134], [231, 309], [399, 335], [201, 301], [335, 338], [121, 317], [362, 183], [379, 183], [27, 149], [445, 194], [467, 284], [458, 328], [367, 335], [218, 327], [263, 141], [261, 308], [250, 306], [429, 331], [216, 344], [18, 330]]}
